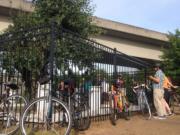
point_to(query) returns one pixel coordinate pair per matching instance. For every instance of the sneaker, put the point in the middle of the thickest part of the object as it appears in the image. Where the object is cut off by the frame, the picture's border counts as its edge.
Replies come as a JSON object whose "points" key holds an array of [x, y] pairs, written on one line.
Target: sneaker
{"points": [[160, 117], [170, 114]]}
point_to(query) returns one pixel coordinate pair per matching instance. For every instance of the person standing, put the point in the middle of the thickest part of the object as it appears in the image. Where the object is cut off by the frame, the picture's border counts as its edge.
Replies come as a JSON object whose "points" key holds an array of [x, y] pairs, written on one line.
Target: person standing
{"points": [[120, 83], [158, 92], [167, 88], [167, 85]]}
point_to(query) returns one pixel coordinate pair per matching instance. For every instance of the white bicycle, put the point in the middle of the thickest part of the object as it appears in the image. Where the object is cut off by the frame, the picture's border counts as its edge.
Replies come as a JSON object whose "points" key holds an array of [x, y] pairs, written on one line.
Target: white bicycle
{"points": [[45, 115], [11, 108], [142, 100]]}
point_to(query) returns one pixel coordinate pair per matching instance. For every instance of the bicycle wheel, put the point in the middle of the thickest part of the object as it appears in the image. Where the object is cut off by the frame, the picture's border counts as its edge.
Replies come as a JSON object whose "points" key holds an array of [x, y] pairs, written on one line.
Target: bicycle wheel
{"points": [[172, 104], [81, 117], [126, 111], [41, 117], [113, 110], [145, 108], [12, 109]]}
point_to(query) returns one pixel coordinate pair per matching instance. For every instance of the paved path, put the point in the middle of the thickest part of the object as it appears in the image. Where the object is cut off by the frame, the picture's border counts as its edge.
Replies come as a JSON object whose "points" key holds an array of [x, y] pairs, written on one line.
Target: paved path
{"points": [[136, 126]]}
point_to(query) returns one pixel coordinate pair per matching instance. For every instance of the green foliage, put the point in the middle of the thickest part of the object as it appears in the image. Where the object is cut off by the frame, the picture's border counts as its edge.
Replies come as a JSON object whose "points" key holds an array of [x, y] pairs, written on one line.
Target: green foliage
{"points": [[28, 54], [74, 15], [25, 51], [78, 51], [171, 56], [129, 80], [129, 84], [100, 73]]}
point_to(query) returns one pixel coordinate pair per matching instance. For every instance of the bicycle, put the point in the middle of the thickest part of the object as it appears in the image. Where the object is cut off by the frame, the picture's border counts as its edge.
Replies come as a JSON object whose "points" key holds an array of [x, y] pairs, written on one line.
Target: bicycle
{"points": [[10, 110], [45, 114], [118, 104], [79, 106], [143, 100], [174, 101]]}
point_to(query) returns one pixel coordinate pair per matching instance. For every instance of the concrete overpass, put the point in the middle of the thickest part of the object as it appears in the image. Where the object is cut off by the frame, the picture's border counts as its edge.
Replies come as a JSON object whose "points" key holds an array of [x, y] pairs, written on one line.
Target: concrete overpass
{"points": [[134, 41]]}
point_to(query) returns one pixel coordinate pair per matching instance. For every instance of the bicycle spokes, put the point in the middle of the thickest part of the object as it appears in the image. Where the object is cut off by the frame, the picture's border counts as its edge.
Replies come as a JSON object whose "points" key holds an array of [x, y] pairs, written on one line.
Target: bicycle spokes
{"points": [[41, 118]]}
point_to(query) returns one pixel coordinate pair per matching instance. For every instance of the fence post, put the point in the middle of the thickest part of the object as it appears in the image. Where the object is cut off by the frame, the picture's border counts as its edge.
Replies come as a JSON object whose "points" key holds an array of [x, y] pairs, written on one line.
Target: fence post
{"points": [[145, 76], [52, 48], [115, 63], [51, 60]]}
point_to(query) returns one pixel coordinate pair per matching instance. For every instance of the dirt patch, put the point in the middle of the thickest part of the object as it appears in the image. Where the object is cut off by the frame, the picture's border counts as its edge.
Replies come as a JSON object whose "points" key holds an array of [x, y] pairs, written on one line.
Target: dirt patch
{"points": [[136, 126]]}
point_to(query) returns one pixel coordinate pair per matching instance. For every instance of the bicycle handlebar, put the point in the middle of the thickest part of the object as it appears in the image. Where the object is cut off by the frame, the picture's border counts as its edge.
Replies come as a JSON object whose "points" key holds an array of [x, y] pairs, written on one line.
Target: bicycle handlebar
{"points": [[176, 87], [141, 86]]}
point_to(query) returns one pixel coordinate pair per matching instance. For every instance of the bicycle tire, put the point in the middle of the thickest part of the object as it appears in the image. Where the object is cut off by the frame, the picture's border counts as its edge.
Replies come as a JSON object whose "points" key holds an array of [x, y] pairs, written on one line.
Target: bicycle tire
{"points": [[11, 117], [145, 108], [113, 111], [172, 104], [126, 113], [36, 120], [81, 110], [82, 119]]}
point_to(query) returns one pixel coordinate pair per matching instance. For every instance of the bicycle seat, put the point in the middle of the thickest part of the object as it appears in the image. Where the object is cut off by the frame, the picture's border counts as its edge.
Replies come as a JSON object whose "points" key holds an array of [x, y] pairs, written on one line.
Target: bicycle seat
{"points": [[12, 86]]}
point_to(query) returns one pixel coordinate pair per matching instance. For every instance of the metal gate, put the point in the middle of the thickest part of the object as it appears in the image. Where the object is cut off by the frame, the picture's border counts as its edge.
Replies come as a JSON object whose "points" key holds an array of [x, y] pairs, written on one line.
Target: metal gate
{"points": [[52, 51]]}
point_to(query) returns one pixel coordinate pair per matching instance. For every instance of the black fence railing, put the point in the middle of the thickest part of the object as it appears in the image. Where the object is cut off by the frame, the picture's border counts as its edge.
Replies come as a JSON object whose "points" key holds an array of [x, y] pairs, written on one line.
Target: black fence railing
{"points": [[52, 51]]}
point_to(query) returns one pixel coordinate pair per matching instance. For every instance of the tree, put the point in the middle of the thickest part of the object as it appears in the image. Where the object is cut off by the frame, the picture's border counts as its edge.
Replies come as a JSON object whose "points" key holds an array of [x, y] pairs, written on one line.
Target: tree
{"points": [[29, 53], [171, 56], [75, 15]]}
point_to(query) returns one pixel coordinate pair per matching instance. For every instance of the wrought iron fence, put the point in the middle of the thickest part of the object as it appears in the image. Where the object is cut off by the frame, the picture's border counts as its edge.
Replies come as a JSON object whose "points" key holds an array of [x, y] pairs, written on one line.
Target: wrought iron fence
{"points": [[51, 51]]}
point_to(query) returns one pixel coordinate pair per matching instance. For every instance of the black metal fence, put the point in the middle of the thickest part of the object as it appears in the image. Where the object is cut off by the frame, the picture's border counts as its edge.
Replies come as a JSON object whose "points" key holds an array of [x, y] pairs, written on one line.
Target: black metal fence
{"points": [[52, 51]]}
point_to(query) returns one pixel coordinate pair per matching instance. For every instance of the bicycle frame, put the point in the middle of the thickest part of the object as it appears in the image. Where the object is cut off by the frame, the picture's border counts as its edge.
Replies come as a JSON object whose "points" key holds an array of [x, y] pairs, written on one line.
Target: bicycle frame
{"points": [[143, 100], [48, 110], [9, 112], [119, 96]]}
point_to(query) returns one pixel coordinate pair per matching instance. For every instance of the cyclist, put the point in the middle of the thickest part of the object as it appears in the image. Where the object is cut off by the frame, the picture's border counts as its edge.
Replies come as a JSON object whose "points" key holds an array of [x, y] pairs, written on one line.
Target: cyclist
{"points": [[115, 96], [121, 88], [118, 91], [167, 85]]}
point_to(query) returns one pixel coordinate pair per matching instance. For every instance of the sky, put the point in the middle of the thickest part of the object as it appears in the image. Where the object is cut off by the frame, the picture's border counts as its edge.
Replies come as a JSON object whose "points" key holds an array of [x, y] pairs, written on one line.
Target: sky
{"points": [[158, 15]]}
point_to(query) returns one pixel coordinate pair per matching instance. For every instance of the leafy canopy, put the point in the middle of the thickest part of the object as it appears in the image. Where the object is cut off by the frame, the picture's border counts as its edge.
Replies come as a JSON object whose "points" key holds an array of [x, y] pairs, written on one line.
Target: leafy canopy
{"points": [[171, 56], [74, 15], [28, 56]]}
